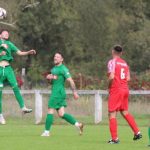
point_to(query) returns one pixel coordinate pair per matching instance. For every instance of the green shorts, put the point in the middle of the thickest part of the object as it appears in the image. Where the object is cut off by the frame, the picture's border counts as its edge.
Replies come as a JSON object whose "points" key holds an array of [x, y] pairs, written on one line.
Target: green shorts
{"points": [[57, 102], [7, 74]]}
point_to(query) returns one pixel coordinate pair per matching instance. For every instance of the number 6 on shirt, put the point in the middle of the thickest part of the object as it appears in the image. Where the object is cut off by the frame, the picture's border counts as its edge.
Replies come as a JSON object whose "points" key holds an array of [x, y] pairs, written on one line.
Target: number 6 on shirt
{"points": [[122, 73]]}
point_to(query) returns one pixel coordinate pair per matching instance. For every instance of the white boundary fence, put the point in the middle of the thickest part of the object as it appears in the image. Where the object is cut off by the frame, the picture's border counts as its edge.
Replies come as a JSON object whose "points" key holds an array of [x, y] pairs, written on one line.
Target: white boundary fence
{"points": [[98, 100]]}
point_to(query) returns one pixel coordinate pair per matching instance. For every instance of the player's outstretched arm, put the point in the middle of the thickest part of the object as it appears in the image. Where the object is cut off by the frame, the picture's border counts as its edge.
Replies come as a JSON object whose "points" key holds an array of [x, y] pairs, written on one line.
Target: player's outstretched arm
{"points": [[73, 87], [23, 53]]}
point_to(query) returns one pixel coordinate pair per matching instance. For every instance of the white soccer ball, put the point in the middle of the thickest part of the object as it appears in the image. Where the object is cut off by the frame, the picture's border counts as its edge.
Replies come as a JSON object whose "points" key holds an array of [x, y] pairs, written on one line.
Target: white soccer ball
{"points": [[3, 13]]}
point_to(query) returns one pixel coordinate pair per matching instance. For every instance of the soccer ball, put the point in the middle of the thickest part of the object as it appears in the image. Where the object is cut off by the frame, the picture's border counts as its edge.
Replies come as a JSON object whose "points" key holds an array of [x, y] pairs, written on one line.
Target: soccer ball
{"points": [[3, 13]]}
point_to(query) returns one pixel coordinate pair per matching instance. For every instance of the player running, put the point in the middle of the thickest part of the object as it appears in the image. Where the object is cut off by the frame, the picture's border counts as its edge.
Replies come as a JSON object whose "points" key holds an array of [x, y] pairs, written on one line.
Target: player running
{"points": [[118, 77], [60, 73], [6, 71]]}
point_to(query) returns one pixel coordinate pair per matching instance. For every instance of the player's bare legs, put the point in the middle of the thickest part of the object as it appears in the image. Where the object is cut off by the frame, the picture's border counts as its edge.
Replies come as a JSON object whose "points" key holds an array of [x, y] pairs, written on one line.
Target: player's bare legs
{"points": [[129, 118], [63, 115], [69, 118]]}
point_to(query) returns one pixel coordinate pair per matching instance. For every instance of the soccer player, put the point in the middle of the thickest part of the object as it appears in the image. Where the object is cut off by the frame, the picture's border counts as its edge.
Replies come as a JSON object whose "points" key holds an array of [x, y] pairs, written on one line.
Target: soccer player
{"points": [[6, 71], [60, 73], [118, 77], [149, 135]]}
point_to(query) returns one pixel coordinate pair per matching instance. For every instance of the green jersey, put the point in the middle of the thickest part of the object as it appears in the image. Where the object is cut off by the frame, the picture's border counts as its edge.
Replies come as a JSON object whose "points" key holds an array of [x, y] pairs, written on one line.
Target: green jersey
{"points": [[62, 73], [9, 50], [58, 95]]}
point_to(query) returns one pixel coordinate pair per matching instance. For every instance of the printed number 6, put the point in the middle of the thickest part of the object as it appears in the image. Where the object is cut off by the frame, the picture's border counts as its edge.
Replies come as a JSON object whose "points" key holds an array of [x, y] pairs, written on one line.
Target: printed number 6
{"points": [[122, 75]]}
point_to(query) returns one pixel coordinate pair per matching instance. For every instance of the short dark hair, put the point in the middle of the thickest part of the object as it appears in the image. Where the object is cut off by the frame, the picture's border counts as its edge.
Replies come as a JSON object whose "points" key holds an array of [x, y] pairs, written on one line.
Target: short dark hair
{"points": [[1, 30], [60, 53], [118, 48]]}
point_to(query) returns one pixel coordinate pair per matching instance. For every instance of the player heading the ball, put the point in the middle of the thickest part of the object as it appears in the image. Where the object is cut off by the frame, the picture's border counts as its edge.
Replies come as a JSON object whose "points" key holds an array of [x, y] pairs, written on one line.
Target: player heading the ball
{"points": [[6, 71]]}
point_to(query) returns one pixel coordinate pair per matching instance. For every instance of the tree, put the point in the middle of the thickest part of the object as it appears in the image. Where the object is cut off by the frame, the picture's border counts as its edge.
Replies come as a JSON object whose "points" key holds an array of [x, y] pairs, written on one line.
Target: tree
{"points": [[85, 32]]}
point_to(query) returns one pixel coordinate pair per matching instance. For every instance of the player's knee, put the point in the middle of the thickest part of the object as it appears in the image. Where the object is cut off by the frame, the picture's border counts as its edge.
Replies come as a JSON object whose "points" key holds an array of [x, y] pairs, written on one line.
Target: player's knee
{"points": [[61, 114], [1, 86], [50, 111], [124, 113], [112, 115]]}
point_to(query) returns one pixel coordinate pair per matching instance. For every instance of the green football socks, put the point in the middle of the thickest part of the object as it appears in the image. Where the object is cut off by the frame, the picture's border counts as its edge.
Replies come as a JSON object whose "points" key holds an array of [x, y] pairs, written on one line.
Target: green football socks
{"points": [[69, 118], [49, 122], [0, 101], [19, 97], [149, 134]]}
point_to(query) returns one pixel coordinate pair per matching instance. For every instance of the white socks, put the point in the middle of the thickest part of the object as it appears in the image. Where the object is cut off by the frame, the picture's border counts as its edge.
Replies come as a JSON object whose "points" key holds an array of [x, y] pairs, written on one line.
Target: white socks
{"points": [[46, 131], [77, 124]]}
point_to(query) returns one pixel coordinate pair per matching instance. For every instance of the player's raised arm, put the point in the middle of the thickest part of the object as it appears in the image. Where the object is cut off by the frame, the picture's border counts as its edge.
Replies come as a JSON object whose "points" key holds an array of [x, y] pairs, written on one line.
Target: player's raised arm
{"points": [[7, 48], [73, 87], [24, 53]]}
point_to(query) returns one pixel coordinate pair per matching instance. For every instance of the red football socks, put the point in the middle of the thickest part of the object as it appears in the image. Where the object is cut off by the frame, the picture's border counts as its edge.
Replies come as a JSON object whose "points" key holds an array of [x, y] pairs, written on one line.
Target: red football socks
{"points": [[113, 128], [132, 123]]}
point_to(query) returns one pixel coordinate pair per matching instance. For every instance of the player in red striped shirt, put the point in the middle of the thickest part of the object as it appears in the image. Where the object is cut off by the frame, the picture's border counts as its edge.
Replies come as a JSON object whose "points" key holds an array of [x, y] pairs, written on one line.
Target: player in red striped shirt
{"points": [[118, 77]]}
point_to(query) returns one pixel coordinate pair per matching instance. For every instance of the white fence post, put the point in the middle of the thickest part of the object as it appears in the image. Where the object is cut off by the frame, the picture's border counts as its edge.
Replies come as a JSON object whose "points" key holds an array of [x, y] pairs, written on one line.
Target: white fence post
{"points": [[98, 100], [98, 107], [38, 107]]}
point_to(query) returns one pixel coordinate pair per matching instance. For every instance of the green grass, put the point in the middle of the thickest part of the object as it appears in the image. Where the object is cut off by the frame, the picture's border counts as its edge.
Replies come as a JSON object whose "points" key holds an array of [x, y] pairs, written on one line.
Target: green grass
{"points": [[19, 134]]}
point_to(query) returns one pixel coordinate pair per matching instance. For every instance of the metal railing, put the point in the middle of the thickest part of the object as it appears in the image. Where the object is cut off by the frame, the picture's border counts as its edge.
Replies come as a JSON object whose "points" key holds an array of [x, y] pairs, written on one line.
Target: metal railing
{"points": [[98, 94]]}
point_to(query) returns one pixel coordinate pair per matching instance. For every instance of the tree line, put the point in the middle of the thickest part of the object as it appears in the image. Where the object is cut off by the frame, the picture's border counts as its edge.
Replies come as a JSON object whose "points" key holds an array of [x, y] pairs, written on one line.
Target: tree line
{"points": [[84, 30]]}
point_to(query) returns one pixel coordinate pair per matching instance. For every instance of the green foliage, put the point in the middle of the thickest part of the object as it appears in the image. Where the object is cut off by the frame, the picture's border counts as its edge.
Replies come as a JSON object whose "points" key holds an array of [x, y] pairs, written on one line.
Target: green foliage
{"points": [[48, 27], [35, 72], [84, 31]]}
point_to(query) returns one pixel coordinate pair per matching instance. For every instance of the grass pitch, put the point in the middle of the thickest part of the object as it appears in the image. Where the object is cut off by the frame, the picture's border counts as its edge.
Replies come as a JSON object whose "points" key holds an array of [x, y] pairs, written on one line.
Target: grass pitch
{"points": [[20, 134]]}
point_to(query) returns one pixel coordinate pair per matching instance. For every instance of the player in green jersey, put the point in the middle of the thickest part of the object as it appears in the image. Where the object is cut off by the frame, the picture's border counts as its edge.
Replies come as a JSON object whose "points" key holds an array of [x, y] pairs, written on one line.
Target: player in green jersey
{"points": [[6, 71], [149, 136], [59, 74]]}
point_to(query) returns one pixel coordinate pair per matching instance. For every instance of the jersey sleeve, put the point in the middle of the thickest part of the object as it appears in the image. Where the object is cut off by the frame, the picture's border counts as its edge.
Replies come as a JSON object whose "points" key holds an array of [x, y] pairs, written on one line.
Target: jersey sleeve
{"points": [[111, 66], [66, 73], [14, 48]]}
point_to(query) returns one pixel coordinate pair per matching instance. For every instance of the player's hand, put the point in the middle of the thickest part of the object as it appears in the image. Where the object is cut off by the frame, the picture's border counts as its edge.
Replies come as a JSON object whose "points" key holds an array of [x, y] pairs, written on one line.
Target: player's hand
{"points": [[4, 45], [3, 53], [75, 95], [49, 77], [45, 74], [32, 52]]}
